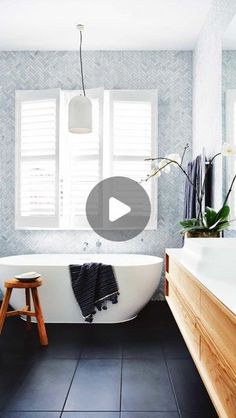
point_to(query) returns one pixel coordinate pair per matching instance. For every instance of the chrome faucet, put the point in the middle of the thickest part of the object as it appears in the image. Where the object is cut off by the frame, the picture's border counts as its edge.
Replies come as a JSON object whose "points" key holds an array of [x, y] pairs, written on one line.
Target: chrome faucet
{"points": [[98, 243], [85, 246]]}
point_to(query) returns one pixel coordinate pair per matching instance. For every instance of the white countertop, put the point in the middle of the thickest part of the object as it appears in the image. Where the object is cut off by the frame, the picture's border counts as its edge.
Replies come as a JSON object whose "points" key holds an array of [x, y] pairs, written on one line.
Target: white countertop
{"points": [[223, 288]]}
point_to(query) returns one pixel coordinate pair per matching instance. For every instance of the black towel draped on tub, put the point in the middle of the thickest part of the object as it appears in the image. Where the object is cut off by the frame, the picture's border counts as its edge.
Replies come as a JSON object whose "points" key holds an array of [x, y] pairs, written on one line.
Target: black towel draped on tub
{"points": [[93, 284]]}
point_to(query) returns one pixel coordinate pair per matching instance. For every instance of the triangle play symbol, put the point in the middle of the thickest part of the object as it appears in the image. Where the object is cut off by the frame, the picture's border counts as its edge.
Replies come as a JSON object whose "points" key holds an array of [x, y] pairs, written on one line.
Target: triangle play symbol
{"points": [[117, 209]]}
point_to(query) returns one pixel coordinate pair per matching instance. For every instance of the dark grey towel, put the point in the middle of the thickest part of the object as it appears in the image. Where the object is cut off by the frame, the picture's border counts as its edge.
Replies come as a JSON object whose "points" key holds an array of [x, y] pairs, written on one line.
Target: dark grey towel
{"points": [[194, 171], [93, 285]]}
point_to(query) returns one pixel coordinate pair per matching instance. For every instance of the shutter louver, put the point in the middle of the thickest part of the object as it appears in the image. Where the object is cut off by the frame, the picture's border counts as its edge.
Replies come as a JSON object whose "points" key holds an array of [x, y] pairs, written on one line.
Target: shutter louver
{"points": [[133, 131], [132, 128], [38, 128], [37, 188], [83, 168], [37, 142]]}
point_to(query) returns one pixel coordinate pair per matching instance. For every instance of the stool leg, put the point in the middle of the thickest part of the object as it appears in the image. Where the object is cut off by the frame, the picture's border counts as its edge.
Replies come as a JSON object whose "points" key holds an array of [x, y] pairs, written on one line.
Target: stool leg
{"points": [[4, 307], [39, 316], [28, 318]]}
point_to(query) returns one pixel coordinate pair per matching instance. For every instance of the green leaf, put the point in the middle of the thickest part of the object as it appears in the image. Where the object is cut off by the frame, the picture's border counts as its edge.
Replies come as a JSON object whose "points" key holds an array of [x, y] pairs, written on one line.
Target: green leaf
{"points": [[192, 228], [221, 226], [210, 217], [223, 213], [222, 216], [189, 222]]}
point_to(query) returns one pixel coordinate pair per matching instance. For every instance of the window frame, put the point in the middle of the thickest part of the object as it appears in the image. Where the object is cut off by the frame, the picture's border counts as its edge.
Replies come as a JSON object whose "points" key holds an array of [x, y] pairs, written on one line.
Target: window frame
{"points": [[62, 97]]}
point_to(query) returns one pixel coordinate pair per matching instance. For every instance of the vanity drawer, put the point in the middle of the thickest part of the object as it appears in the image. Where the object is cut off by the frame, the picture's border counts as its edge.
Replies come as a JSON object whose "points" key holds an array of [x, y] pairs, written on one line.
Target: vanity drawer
{"points": [[185, 319], [185, 283], [221, 327], [218, 377]]}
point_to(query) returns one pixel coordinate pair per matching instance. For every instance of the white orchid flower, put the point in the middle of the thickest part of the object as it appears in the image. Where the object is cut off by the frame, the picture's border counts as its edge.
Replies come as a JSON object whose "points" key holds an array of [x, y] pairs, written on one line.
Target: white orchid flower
{"points": [[228, 150], [174, 157], [155, 170], [164, 165]]}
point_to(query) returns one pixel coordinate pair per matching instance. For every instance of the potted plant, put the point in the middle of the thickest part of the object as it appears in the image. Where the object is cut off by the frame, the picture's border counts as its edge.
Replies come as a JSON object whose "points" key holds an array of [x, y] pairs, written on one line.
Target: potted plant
{"points": [[208, 222]]}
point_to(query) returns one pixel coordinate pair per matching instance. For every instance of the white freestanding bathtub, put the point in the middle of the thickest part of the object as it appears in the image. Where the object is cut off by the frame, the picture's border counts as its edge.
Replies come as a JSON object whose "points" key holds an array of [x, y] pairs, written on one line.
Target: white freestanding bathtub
{"points": [[138, 277]]}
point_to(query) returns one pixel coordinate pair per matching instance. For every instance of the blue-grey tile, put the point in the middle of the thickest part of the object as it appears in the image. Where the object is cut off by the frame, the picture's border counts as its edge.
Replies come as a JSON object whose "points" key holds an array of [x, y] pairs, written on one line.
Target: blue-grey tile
{"points": [[20, 414], [191, 394], [150, 415], [142, 343], [90, 415], [168, 71], [96, 386], [44, 387], [146, 386]]}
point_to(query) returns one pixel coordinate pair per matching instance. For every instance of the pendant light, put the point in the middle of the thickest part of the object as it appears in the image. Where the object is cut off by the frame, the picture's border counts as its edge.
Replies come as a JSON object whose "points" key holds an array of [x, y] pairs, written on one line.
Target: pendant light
{"points": [[80, 107]]}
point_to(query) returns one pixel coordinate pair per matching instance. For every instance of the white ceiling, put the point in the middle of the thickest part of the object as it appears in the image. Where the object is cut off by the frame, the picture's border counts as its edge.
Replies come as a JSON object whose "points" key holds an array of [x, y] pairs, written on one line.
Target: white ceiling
{"points": [[229, 40], [109, 24]]}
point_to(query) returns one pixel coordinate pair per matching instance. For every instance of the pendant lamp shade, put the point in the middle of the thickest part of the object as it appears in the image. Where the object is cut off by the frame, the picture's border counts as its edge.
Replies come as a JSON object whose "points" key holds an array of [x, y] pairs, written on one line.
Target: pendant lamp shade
{"points": [[80, 115], [80, 107]]}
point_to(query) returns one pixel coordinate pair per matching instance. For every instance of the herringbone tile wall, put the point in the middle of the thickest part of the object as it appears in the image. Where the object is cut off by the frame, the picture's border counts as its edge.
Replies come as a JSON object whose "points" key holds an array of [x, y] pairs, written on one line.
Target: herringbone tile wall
{"points": [[228, 82], [168, 71]]}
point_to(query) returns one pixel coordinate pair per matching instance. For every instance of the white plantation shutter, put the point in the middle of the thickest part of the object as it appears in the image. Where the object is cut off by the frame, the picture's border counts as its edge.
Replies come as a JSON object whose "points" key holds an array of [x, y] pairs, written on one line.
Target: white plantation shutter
{"points": [[37, 150], [56, 170], [82, 162], [133, 134]]}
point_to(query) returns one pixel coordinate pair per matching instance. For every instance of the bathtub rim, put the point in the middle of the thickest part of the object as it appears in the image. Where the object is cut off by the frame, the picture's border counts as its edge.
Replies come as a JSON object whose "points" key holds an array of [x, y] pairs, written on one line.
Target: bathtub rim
{"points": [[13, 260]]}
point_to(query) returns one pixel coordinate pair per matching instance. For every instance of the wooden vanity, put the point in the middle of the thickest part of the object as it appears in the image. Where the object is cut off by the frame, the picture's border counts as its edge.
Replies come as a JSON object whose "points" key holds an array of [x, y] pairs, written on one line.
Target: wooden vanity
{"points": [[209, 330]]}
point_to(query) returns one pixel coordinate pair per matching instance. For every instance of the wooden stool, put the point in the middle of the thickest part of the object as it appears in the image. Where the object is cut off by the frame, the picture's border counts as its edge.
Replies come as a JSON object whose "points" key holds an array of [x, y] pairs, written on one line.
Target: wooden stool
{"points": [[16, 284]]}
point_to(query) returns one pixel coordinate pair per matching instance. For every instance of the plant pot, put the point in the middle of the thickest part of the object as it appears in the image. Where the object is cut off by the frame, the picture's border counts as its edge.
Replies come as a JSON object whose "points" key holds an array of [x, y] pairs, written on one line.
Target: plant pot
{"points": [[202, 234]]}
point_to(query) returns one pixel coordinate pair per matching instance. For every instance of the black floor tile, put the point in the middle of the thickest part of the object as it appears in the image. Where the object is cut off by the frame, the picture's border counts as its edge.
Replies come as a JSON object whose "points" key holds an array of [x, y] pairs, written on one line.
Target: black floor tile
{"points": [[146, 386], [18, 414], [12, 371], [102, 341], [96, 386], [142, 343], [150, 415], [153, 316], [173, 344], [191, 394], [65, 341], [90, 415], [195, 414], [35, 378], [16, 340], [44, 387]]}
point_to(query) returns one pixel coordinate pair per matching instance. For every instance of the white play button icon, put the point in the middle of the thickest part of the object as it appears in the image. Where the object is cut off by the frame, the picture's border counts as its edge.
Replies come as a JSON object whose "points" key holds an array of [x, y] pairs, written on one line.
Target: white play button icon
{"points": [[117, 209]]}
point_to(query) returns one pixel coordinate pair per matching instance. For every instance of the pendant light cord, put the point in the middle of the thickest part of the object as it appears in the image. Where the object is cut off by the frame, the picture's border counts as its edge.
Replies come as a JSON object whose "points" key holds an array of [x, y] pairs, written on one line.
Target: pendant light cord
{"points": [[81, 63]]}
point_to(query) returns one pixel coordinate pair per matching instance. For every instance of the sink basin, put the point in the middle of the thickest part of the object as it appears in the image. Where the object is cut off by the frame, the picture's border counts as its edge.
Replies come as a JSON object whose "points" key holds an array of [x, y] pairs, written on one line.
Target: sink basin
{"points": [[214, 258]]}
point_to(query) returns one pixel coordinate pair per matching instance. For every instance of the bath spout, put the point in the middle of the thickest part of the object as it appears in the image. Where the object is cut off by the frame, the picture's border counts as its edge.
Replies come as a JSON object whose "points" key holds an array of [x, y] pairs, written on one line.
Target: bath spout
{"points": [[98, 243], [85, 246]]}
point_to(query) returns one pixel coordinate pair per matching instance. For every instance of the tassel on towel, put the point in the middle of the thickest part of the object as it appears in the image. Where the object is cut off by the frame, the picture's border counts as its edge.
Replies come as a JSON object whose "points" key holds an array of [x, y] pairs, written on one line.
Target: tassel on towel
{"points": [[93, 284]]}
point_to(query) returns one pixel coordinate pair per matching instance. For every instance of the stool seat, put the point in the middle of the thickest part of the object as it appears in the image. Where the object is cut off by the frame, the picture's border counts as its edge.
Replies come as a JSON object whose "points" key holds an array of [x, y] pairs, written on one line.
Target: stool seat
{"points": [[17, 284], [30, 287]]}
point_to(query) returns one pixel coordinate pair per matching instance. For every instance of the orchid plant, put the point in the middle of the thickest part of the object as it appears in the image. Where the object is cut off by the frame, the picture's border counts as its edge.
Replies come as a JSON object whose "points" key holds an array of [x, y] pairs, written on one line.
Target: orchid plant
{"points": [[208, 222]]}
